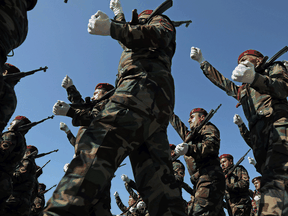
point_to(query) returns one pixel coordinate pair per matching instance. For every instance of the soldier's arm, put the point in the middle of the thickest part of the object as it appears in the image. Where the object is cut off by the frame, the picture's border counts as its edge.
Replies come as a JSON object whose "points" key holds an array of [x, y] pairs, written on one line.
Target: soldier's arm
{"points": [[130, 190], [120, 204], [219, 80], [71, 138], [209, 145], [74, 95], [274, 84], [242, 185], [158, 33], [245, 133], [7, 145], [179, 126]]}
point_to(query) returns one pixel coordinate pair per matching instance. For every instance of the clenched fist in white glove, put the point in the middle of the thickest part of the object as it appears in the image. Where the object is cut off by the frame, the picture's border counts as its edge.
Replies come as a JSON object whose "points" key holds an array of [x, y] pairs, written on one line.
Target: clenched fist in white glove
{"points": [[65, 168], [67, 82], [116, 7], [60, 108], [181, 149], [141, 205], [64, 127], [99, 24], [237, 119], [116, 194], [196, 55], [244, 72], [125, 178], [251, 161]]}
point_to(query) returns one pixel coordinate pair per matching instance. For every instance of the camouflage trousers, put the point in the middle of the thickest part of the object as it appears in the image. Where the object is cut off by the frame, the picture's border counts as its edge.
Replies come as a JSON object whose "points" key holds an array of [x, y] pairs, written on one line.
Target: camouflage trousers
{"points": [[132, 123], [272, 142], [209, 192]]}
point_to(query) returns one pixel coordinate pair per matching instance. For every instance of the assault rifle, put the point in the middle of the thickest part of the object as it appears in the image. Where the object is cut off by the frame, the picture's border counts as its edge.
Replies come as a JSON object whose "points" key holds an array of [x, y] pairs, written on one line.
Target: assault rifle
{"points": [[30, 125], [160, 9], [43, 166], [236, 165], [44, 154], [18, 76], [179, 23], [45, 191], [264, 65], [195, 133]]}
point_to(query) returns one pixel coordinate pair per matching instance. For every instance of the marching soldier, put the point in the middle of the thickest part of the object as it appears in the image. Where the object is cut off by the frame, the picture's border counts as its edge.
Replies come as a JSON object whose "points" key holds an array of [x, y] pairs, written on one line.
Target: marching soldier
{"points": [[256, 196]]}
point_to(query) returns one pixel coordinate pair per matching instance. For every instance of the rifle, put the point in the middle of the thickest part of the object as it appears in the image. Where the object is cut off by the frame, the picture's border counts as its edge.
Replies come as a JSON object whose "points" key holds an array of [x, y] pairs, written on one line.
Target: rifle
{"points": [[43, 166], [44, 154], [236, 165], [160, 9], [179, 23], [30, 125], [43, 192], [264, 65], [18, 76]]}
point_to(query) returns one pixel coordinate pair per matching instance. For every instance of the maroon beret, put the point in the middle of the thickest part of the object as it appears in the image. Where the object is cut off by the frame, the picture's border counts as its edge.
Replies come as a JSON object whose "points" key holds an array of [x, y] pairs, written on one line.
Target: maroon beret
{"points": [[172, 146], [250, 52], [23, 118], [32, 148], [226, 156], [256, 178], [11, 68], [198, 110], [105, 86], [145, 12]]}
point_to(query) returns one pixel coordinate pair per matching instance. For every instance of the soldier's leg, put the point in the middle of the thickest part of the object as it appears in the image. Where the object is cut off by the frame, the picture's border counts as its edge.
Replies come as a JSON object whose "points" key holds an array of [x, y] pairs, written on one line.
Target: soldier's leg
{"points": [[154, 176]]}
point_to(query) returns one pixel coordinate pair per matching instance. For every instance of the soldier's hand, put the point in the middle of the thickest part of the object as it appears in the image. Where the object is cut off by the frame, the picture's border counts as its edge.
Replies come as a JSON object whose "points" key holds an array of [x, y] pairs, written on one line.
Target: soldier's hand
{"points": [[99, 24], [60, 108], [244, 72], [116, 7], [251, 161], [116, 194], [125, 178], [196, 55], [65, 168], [64, 127], [133, 210], [237, 119], [181, 149], [141, 205], [67, 82]]}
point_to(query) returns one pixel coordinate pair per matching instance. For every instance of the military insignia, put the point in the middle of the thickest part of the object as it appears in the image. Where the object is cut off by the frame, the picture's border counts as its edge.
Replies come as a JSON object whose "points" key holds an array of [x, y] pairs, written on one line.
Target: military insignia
{"points": [[166, 24]]}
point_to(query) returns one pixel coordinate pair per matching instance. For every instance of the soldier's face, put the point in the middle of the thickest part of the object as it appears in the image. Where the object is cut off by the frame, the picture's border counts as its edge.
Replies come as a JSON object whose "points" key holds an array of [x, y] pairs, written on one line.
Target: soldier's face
{"points": [[131, 201], [225, 163], [253, 59], [98, 93], [257, 184], [195, 119]]}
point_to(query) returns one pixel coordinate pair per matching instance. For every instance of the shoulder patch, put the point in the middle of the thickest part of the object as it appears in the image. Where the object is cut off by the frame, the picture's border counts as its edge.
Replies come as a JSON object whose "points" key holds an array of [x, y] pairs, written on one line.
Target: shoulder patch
{"points": [[166, 24]]}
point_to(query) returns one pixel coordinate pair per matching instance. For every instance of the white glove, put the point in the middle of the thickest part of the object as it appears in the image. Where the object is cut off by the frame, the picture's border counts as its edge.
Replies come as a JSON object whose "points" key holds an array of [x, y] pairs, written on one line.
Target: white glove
{"points": [[141, 205], [285, 62], [196, 55], [125, 178], [116, 194], [258, 197], [251, 161], [64, 127], [61, 108], [181, 149], [67, 82], [244, 72], [237, 119], [116, 7], [99, 24], [65, 168], [132, 209]]}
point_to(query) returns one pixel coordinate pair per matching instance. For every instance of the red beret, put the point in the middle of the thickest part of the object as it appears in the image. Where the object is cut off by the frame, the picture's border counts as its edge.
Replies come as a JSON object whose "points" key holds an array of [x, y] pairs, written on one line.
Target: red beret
{"points": [[250, 52], [43, 186], [145, 12], [32, 148], [11, 68], [23, 118], [256, 178], [105, 86], [226, 156], [172, 146], [198, 110]]}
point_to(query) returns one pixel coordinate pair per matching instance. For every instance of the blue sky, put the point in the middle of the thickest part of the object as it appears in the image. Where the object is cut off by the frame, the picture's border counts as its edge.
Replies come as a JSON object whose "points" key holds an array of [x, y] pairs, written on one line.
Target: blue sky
{"points": [[58, 38]]}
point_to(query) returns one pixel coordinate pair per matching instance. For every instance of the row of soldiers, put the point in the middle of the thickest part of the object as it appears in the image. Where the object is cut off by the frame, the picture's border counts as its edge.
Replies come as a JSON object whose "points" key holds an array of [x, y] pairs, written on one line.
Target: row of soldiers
{"points": [[132, 120]]}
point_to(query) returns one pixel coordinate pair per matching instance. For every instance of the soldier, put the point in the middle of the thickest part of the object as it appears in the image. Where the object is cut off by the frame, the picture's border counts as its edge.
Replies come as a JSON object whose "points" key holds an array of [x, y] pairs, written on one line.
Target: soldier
{"points": [[208, 178], [263, 99], [39, 202], [256, 196], [12, 150], [13, 26], [237, 187], [8, 100], [133, 122], [24, 177]]}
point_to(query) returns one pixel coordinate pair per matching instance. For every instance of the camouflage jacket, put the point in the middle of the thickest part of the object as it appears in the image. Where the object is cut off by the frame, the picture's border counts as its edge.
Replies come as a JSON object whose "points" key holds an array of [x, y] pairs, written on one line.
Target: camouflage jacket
{"points": [[237, 184], [8, 103], [245, 133], [38, 205], [12, 150], [74, 95], [205, 149], [71, 138]]}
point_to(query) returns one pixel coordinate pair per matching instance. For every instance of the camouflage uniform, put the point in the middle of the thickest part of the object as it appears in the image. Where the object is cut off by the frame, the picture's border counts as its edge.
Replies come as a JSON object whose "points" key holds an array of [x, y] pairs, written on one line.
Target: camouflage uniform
{"points": [[24, 178], [265, 107], [12, 149], [134, 123], [207, 176], [255, 203], [38, 203], [237, 191], [13, 26]]}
